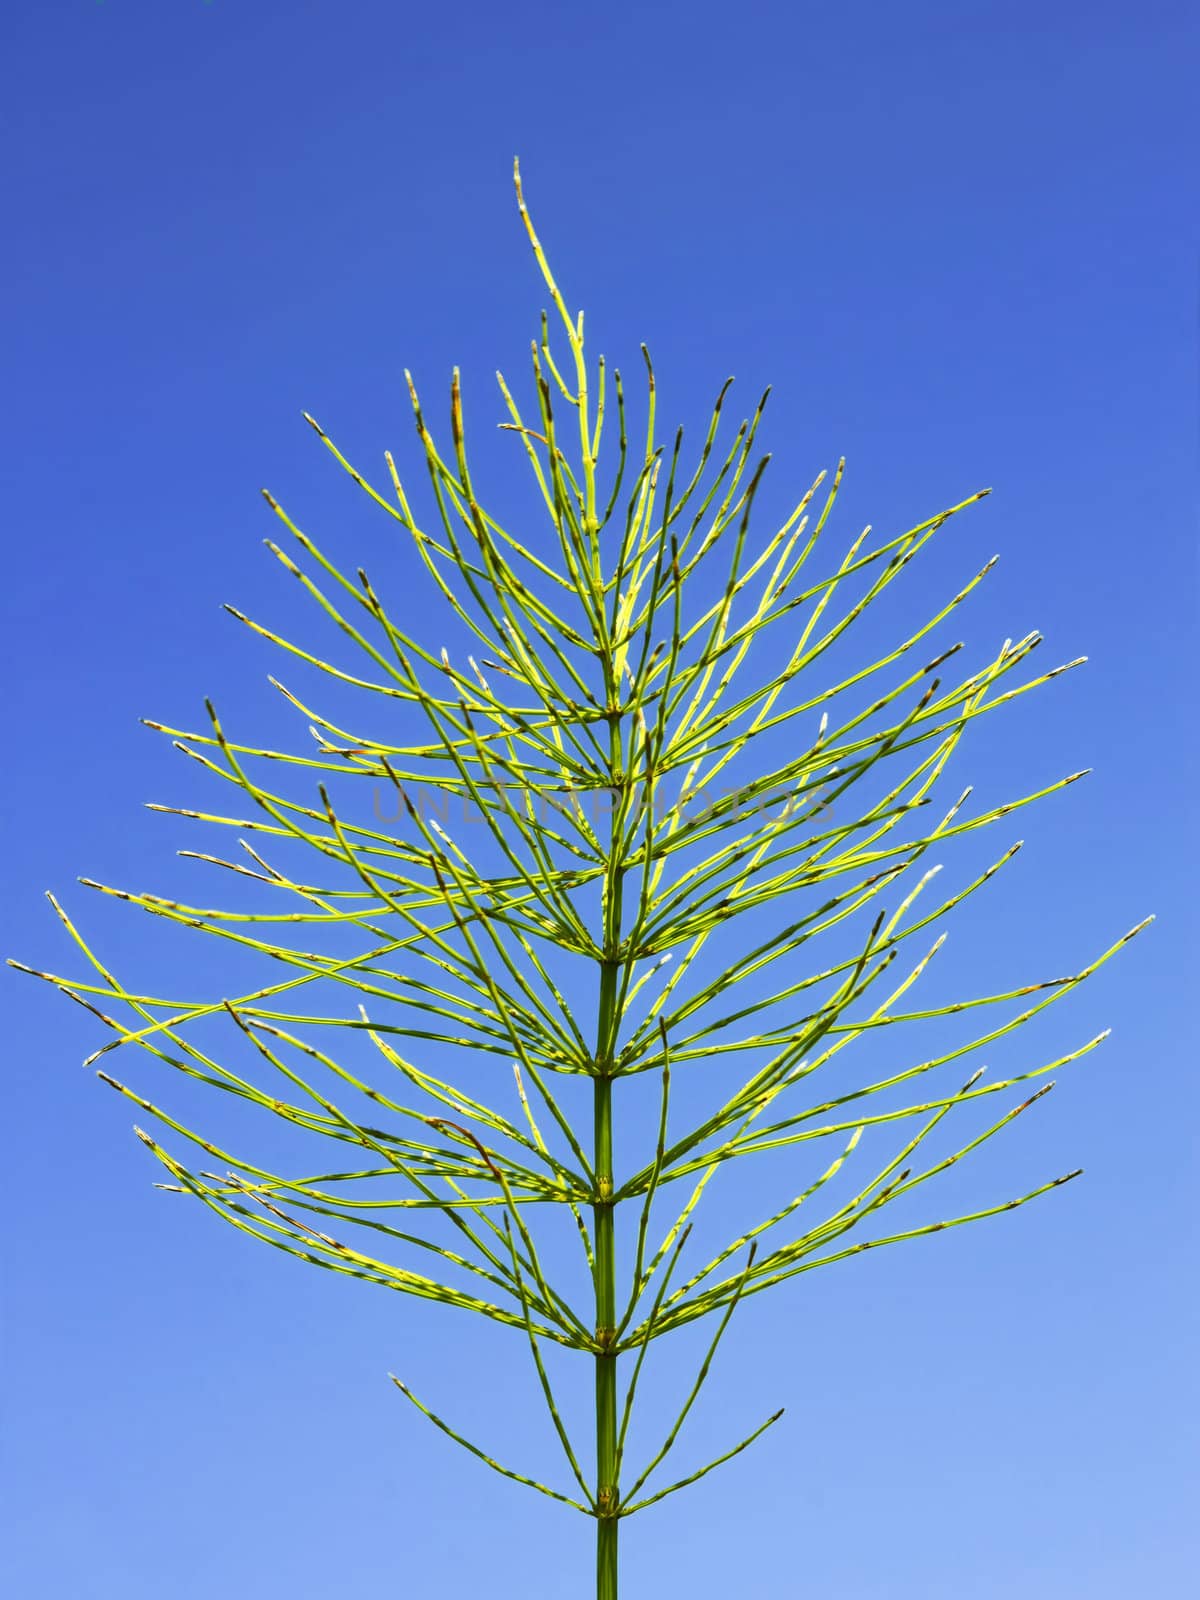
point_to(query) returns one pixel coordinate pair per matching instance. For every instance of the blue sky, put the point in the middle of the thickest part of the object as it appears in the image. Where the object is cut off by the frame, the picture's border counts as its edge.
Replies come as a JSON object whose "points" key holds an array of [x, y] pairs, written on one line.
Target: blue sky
{"points": [[960, 240]]}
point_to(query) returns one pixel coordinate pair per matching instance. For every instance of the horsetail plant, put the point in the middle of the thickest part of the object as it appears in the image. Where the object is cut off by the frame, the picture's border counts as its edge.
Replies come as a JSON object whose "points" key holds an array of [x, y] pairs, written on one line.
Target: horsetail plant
{"points": [[593, 684]]}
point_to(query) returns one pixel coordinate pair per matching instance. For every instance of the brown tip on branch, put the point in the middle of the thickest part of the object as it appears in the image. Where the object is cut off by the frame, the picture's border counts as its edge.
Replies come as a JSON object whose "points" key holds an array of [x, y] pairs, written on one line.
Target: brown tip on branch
{"points": [[1025, 1104]]}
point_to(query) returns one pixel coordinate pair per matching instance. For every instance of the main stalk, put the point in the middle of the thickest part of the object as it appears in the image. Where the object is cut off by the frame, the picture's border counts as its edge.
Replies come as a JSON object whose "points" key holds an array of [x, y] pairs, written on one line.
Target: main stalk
{"points": [[607, 1031], [606, 1363]]}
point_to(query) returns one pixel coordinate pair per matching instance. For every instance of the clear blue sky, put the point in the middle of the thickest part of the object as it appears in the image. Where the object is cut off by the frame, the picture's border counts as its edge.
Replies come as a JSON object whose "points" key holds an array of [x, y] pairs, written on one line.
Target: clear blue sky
{"points": [[960, 239]]}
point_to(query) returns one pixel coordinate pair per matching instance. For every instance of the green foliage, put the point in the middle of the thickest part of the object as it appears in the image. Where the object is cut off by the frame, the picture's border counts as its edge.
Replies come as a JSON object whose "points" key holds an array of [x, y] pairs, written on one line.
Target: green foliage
{"points": [[601, 680]]}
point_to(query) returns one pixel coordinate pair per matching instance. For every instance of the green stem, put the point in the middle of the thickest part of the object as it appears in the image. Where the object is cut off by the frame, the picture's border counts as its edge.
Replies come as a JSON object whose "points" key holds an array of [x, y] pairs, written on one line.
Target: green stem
{"points": [[608, 1027], [606, 1364]]}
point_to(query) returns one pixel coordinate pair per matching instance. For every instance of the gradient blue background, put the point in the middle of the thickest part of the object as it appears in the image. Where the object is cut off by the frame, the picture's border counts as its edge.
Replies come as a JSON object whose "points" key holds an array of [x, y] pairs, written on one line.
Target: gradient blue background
{"points": [[961, 241]]}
